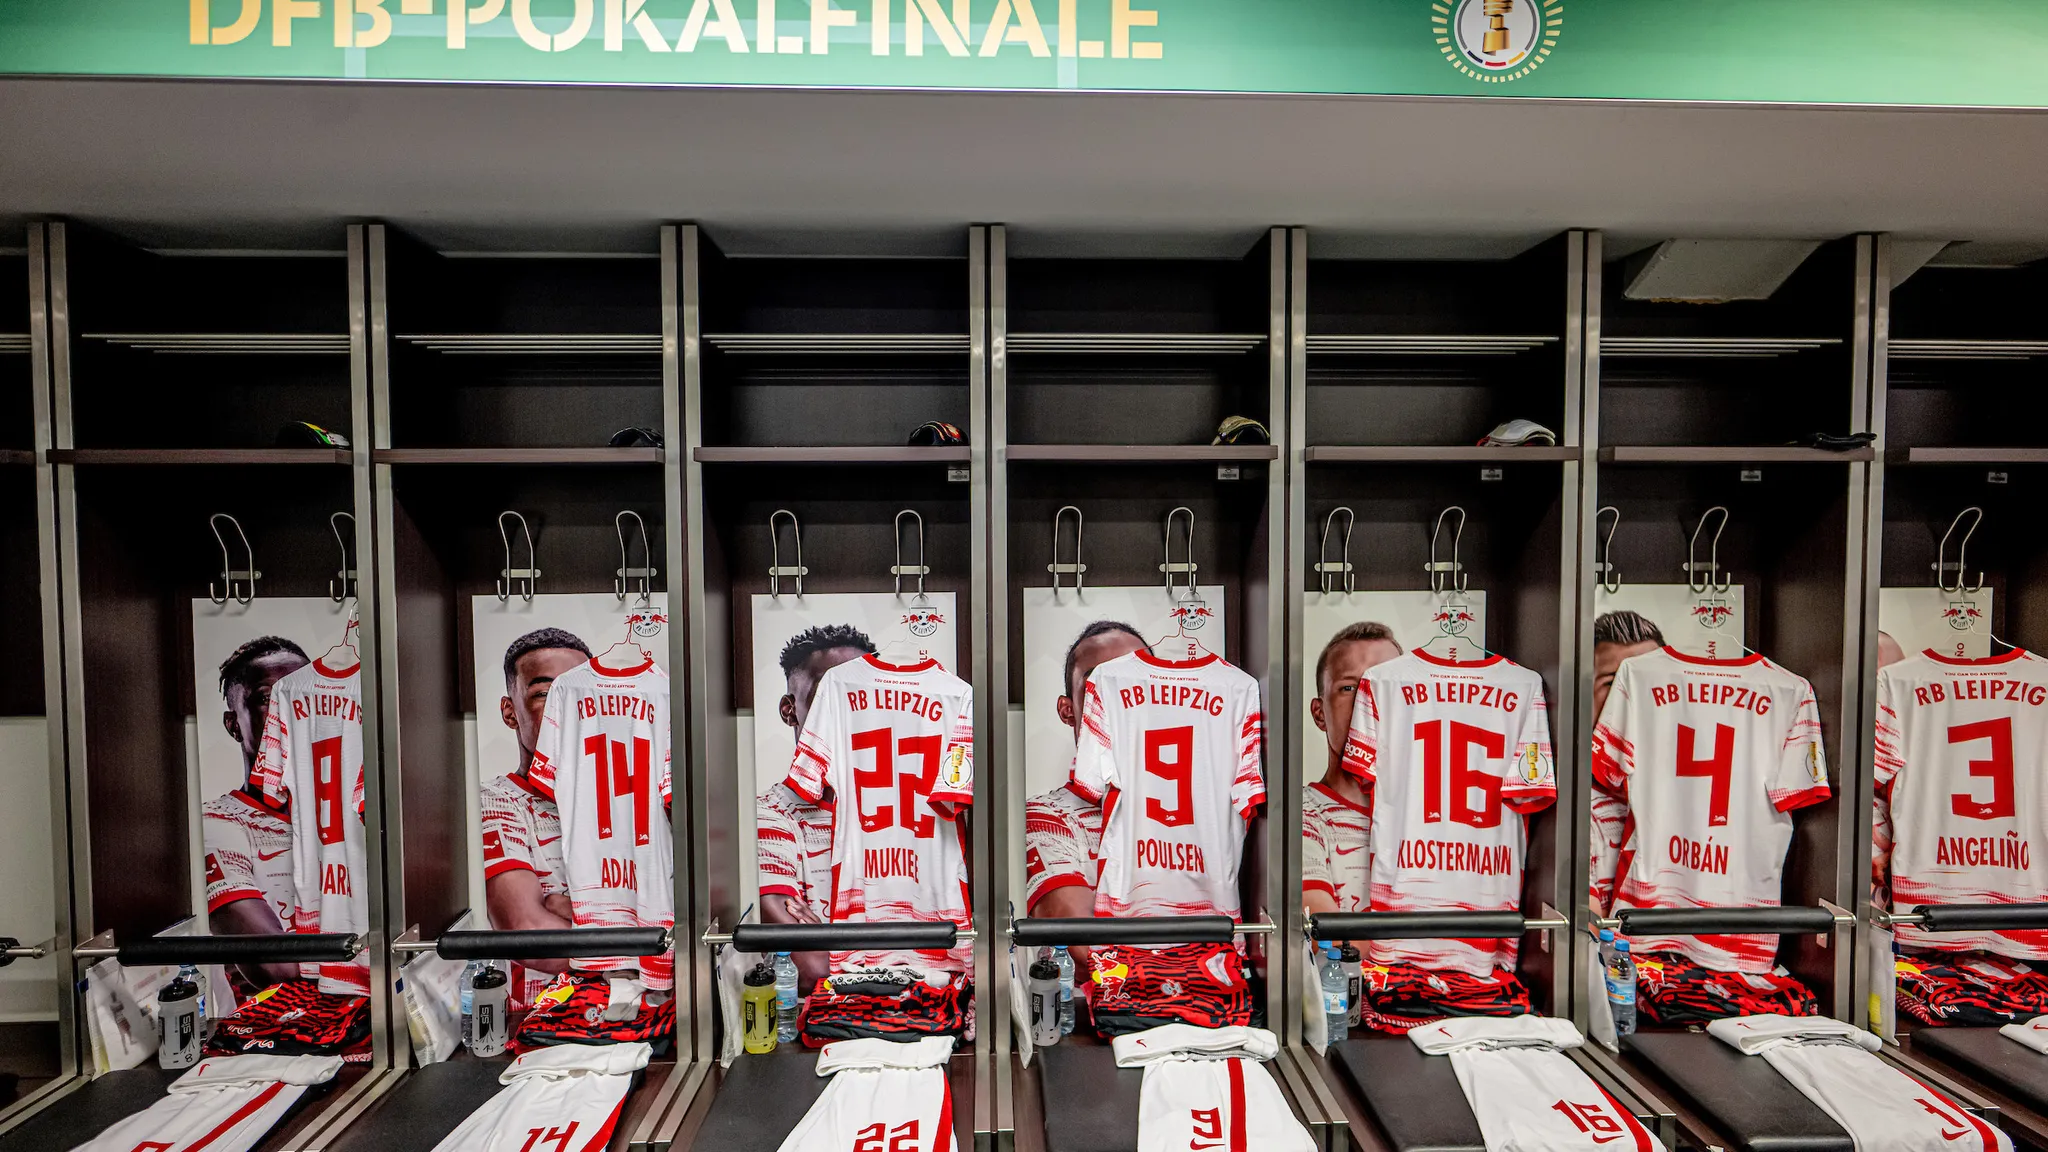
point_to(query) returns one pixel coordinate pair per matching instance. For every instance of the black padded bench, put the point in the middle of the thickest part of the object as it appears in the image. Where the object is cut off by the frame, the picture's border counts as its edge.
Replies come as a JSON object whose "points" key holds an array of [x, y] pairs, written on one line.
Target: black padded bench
{"points": [[1415, 1098], [429, 1104], [1742, 1096], [2000, 1064], [1091, 1105], [760, 1101], [90, 1109]]}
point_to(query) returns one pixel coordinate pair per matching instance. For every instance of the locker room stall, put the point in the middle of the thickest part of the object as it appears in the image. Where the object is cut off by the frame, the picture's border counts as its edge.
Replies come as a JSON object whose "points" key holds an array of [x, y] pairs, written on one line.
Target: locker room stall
{"points": [[1402, 367], [497, 384], [1960, 432], [170, 375], [802, 379], [1110, 379]]}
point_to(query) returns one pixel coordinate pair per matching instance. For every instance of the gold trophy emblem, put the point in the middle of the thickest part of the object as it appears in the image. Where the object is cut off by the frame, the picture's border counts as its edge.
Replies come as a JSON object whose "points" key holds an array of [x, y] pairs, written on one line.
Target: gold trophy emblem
{"points": [[1496, 12]]}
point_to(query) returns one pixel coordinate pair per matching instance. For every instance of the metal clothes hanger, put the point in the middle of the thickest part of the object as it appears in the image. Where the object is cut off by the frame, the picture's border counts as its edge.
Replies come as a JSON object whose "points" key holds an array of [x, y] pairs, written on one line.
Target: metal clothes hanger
{"points": [[1190, 611], [1963, 586], [1078, 570], [920, 618], [511, 578], [1604, 570], [776, 568], [343, 584], [1449, 581], [237, 584], [633, 578], [1327, 571], [1707, 579]]}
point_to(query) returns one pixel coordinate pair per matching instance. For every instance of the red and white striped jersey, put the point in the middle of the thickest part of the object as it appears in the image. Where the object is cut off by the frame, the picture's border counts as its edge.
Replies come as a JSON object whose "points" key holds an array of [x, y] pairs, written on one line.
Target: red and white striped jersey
{"points": [[1062, 843], [1456, 752], [602, 756], [1336, 848], [311, 764], [1959, 749], [893, 746], [793, 838], [248, 853], [1711, 757], [1172, 750], [522, 831]]}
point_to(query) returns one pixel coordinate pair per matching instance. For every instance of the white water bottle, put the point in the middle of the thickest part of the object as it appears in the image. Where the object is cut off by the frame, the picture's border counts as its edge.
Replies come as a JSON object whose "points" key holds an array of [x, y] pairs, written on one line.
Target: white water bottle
{"points": [[489, 1027], [1043, 988]]}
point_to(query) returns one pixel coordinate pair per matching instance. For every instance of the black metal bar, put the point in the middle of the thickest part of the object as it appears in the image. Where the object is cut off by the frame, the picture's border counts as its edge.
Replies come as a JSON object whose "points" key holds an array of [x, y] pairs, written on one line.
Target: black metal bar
{"points": [[552, 943], [1982, 917], [282, 948], [1789, 921], [1091, 930], [1417, 925], [936, 935]]}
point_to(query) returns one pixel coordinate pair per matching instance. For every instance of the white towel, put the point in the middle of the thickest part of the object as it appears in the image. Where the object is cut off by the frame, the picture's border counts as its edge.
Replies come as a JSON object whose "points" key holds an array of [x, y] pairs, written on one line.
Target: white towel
{"points": [[2033, 1034], [1536, 1099], [873, 1054], [1527, 1031], [1753, 1035], [1188, 1042], [882, 1095], [1878, 1105], [224, 1104], [570, 1094]]}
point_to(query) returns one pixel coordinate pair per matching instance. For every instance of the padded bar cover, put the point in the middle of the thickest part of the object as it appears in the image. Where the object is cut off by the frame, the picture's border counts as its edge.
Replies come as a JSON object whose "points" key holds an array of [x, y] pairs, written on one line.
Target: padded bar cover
{"points": [[551, 943], [282, 948], [1792, 921], [907, 934], [1982, 917], [1416, 925], [1043, 930]]}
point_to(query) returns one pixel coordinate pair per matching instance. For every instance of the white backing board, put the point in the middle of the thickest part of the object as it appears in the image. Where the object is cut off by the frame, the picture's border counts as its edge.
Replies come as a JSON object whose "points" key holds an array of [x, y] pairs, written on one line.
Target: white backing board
{"points": [[314, 623], [596, 618], [1706, 623], [1954, 624], [1415, 617]]}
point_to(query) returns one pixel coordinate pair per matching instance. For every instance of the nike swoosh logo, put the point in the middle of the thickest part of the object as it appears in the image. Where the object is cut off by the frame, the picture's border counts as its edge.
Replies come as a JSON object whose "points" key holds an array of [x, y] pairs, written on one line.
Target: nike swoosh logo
{"points": [[1350, 851], [544, 841], [272, 855]]}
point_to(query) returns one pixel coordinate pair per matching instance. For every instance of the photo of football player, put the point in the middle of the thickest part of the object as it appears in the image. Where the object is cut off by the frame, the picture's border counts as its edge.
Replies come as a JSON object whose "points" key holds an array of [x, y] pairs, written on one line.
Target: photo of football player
{"points": [[248, 840], [1336, 810], [1617, 636], [793, 836]]}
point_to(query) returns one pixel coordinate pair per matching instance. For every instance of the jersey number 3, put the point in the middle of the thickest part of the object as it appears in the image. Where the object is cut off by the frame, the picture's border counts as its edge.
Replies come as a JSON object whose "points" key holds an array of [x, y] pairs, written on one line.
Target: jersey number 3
{"points": [[1997, 768]]}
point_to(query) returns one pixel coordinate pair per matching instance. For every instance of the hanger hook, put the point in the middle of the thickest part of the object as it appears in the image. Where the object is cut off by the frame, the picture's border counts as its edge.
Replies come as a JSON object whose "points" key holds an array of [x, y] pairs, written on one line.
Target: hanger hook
{"points": [[642, 576], [1603, 565], [1077, 569], [1700, 577], [1449, 575], [1188, 567], [1962, 553], [1326, 572], [511, 575], [776, 569], [342, 586], [919, 569], [236, 584]]}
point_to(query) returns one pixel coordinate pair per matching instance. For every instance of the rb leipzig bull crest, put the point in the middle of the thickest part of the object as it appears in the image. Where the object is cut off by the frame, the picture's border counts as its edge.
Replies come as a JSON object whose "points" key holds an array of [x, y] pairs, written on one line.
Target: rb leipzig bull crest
{"points": [[1711, 612], [1454, 619], [1961, 613], [923, 622], [647, 623], [1192, 616]]}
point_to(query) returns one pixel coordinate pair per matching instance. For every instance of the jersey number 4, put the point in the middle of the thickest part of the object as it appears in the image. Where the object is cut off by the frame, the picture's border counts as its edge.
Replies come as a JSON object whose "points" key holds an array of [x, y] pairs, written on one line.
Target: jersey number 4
{"points": [[617, 775], [1997, 768], [1718, 767], [910, 788], [1449, 769]]}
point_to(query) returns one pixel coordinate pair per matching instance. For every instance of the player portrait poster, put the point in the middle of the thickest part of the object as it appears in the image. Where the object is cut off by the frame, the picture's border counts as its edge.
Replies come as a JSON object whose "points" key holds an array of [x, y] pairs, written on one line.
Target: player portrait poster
{"points": [[1705, 623], [309, 624], [1053, 619], [598, 619], [1955, 624], [1456, 620]]}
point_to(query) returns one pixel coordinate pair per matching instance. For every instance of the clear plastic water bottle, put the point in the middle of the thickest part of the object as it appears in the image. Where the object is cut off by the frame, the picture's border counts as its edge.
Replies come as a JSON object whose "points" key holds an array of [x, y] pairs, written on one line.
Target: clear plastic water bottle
{"points": [[1064, 961], [1354, 982], [785, 998], [468, 983], [1336, 998], [1621, 989], [1606, 948], [1042, 996]]}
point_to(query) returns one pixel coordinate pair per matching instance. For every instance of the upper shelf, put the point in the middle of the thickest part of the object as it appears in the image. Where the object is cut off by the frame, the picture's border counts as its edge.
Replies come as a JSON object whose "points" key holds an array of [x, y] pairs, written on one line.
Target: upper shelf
{"points": [[238, 456], [1440, 454], [1732, 454], [839, 343], [1144, 453], [1972, 456], [539, 344], [575, 455], [1388, 345], [1967, 349], [1710, 347], [1134, 343], [834, 454], [229, 343]]}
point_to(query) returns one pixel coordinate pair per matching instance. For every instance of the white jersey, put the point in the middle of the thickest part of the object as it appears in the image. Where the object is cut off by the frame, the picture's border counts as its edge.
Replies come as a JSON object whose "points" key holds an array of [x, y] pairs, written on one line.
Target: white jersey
{"points": [[882, 1096], [224, 1104], [311, 764], [1216, 1106], [1172, 750], [1711, 758], [248, 853], [1456, 753], [522, 831], [1062, 843], [566, 1097], [1336, 848], [602, 756], [894, 749], [1958, 773], [793, 838]]}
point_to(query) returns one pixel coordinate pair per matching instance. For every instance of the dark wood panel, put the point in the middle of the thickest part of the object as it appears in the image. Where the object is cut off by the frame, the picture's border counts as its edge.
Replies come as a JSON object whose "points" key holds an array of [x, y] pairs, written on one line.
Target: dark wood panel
{"points": [[427, 766], [21, 602]]}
